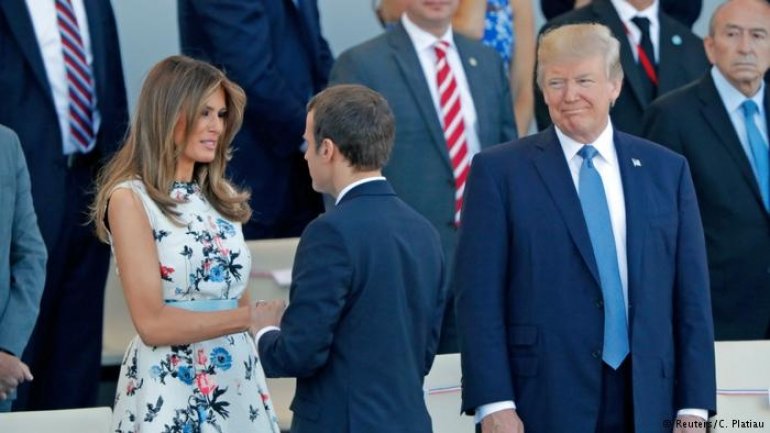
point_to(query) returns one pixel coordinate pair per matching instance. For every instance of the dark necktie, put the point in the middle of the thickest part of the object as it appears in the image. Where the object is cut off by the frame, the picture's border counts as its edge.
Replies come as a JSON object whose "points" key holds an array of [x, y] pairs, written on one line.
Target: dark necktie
{"points": [[646, 58], [596, 212]]}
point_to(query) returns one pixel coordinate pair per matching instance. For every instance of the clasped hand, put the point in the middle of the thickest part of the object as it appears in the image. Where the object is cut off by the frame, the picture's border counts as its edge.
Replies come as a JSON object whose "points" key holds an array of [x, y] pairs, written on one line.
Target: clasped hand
{"points": [[266, 313], [13, 372]]}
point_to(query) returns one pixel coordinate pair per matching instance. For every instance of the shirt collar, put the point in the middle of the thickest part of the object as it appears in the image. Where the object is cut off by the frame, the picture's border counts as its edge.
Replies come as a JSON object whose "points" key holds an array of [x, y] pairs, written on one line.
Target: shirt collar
{"points": [[731, 97], [604, 144], [355, 184], [626, 12], [420, 38]]}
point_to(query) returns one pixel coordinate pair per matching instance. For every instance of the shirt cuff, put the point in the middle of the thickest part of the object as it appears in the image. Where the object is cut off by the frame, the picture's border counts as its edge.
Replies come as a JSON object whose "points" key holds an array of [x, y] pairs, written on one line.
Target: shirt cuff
{"points": [[490, 408], [702, 413], [262, 332]]}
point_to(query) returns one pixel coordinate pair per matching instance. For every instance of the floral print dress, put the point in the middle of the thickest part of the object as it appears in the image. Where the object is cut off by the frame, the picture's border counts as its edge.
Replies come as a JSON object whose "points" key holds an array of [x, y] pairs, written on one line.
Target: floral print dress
{"points": [[498, 29], [215, 385]]}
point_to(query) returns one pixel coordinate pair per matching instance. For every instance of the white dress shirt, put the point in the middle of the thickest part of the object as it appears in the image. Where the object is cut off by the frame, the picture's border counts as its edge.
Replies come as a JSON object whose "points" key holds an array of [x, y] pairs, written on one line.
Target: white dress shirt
{"points": [[732, 100], [626, 12], [606, 163], [43, 14], [424, 44], [355, 184]]}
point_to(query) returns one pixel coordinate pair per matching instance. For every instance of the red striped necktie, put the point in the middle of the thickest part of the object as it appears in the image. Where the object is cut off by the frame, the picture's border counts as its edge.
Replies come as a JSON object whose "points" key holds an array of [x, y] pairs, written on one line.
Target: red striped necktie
{"points": [[80, 83], [453, 123]]}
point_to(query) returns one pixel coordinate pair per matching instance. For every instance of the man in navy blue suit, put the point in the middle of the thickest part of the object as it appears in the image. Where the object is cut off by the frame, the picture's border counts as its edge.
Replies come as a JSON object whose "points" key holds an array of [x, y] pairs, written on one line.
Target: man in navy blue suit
{"points": [[582, 287], [366, 300], [55, 55], [275, 51]]}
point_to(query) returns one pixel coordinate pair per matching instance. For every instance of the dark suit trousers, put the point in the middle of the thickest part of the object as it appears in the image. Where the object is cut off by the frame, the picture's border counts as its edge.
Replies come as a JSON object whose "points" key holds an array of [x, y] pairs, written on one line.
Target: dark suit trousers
{"points": [[64, 352], [616, 413]]}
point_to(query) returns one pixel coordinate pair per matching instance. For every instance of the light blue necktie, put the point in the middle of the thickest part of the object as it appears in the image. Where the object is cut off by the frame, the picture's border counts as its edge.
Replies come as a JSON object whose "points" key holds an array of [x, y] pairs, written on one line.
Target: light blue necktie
{"points": [[597, 217], [759, 151]]}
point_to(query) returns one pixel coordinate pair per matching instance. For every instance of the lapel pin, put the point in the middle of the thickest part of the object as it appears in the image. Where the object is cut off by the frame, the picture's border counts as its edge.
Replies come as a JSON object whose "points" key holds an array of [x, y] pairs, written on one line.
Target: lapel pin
{"points": [[636, 162], [676, 40], [472, 61]]}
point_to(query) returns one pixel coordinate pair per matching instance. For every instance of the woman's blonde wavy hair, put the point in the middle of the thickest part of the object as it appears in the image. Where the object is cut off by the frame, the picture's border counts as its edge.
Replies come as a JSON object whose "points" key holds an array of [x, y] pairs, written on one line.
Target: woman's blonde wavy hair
{"points": [[177, 86]]}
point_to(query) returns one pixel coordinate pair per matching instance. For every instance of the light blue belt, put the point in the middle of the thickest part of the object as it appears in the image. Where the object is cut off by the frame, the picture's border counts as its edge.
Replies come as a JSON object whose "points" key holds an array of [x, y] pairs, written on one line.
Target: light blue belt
{"points": [[205, 304]]}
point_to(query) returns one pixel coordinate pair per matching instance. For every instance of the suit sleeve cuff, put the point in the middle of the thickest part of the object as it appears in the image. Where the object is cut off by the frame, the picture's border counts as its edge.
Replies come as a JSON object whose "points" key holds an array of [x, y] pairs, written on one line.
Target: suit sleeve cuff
{"points": [[701, 413], [264, 331], [490, 408]]}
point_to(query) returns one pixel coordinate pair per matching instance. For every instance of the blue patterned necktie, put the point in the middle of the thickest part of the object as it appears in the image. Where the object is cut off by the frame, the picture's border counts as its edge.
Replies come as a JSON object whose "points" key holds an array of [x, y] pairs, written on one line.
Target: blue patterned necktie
{"points": [[759, 151], [597, 217]]}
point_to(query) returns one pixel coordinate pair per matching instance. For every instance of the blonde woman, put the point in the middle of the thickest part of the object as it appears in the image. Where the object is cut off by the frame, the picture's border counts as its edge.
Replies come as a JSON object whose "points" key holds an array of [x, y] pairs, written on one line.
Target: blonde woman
{"points": [[174, 224]]}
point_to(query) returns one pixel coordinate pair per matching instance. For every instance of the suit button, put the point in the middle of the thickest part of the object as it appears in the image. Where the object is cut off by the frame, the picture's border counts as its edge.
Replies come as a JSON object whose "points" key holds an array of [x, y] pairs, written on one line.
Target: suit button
{"points": [[599, 304], [596, 353]]}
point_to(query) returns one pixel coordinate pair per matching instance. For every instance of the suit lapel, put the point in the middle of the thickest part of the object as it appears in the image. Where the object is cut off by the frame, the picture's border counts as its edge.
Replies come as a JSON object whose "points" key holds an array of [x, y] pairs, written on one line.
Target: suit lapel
{"points": [[554, 171], [21, 27], [633, 174], [476, 85], [409, 64], [607, 15], [671, 55], [718, 120]]}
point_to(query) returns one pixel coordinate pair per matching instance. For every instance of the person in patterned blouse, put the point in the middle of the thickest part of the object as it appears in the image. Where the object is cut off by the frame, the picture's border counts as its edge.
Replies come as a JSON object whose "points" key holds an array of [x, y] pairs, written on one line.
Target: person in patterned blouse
{"points": [[174, 224]]}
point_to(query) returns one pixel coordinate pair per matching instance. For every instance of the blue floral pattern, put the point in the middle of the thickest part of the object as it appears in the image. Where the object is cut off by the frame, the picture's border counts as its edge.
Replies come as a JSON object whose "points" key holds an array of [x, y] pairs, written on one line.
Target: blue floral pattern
{"points": [[211, 386], [498, 29]]}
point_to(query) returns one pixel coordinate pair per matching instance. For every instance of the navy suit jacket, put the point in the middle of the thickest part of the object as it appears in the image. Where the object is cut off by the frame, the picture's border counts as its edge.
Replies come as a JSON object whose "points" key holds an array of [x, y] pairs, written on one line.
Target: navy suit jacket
{"points": [[22, 270], [276, 52], [530, 309], [682, 59], [364, 316], [28, 106], [693, 121]]}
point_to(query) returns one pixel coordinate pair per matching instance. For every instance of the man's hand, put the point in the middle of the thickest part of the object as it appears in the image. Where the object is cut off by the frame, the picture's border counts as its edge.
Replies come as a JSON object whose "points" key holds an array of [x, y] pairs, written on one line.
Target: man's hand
{"points": [[690, 424], [266, 313], [504, 421], [12, 373]]}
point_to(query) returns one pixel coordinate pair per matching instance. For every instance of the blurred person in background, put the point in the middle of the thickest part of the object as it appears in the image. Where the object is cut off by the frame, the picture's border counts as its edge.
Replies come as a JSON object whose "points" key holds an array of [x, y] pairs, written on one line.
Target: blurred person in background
{"points": [[275, 51], [720, 124], [63, 94], [505, 25], [22, 270]]}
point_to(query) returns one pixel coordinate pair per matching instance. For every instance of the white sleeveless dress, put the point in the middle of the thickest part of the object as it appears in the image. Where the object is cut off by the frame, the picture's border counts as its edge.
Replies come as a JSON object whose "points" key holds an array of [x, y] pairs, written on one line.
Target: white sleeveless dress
{"points": [[215, 385]]}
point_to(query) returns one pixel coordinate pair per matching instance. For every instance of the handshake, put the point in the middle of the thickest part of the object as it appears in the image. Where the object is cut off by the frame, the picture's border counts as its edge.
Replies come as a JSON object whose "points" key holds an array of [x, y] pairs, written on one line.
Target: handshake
{"points": [[266, 313]]}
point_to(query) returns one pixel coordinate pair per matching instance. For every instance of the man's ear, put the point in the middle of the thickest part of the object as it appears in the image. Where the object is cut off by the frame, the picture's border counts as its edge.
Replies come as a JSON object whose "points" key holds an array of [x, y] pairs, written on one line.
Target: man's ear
{"points": [[327, 150]]}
